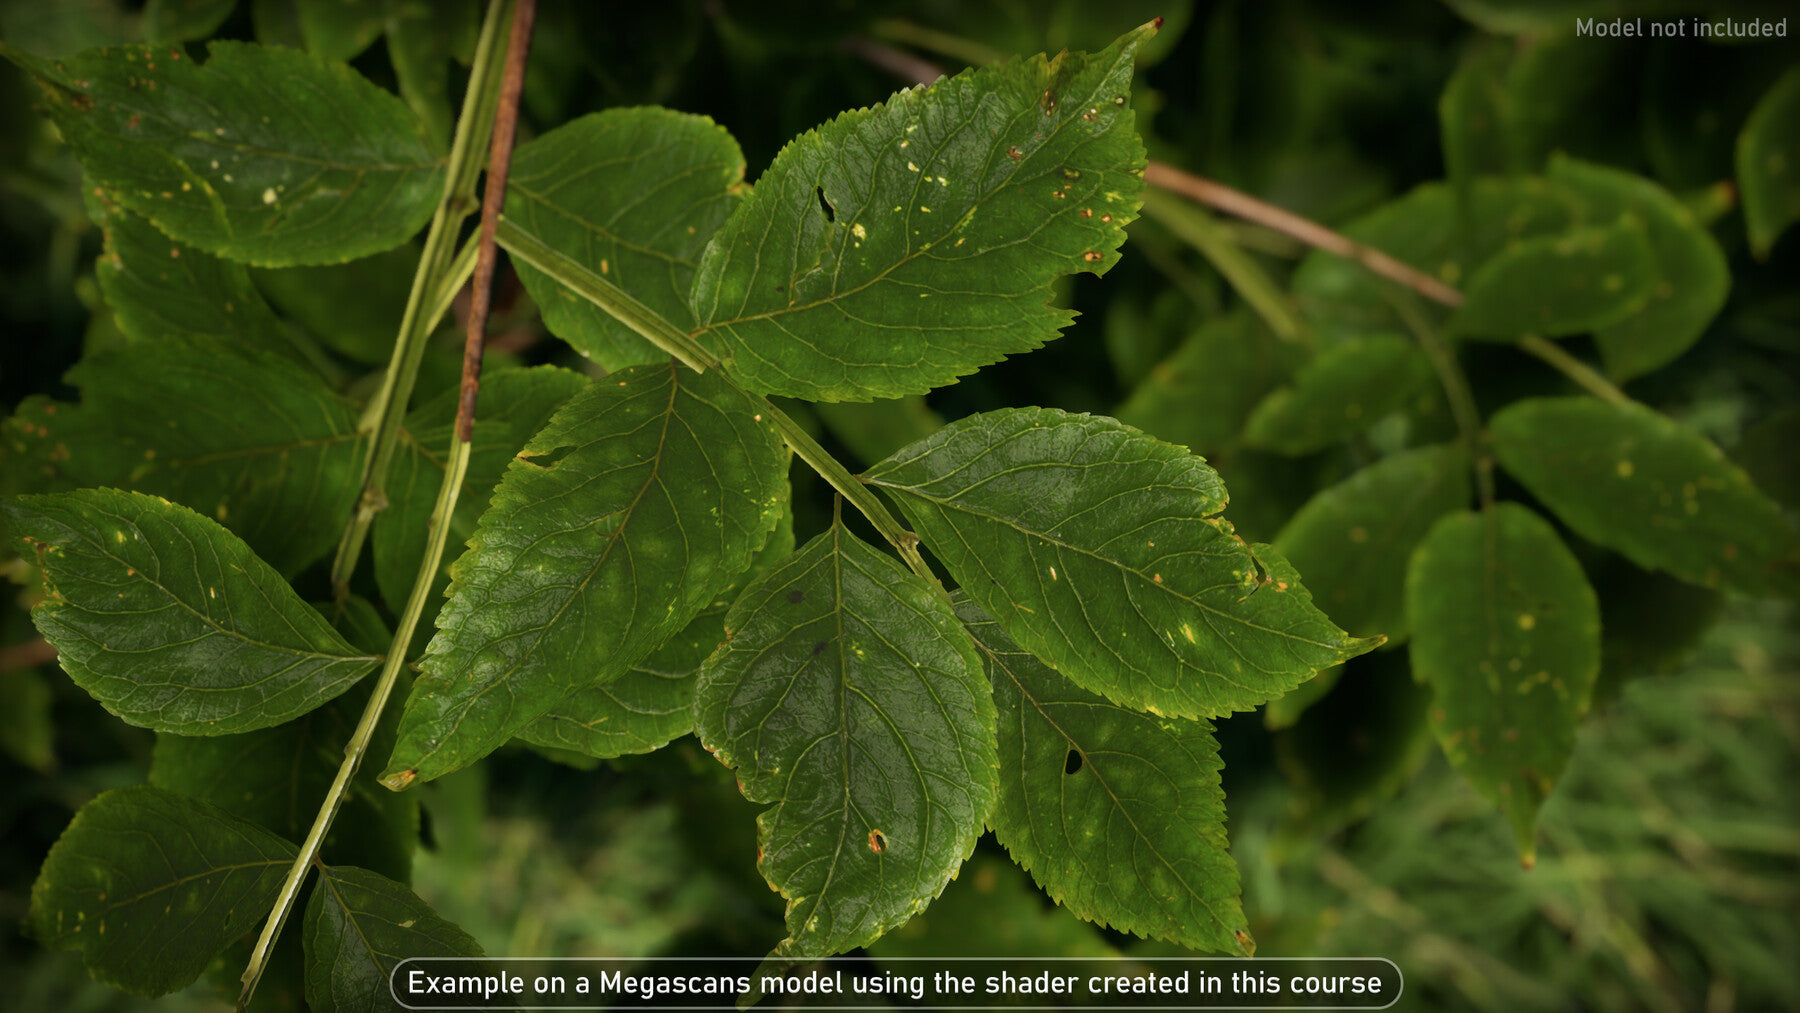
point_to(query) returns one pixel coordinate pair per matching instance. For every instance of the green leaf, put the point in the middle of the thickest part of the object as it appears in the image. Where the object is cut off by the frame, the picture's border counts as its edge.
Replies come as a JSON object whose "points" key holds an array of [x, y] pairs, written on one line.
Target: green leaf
{"points": [[512, 405], [240, 434], [897, 248], [1349, 387], [420, 37], [171, 622], [1352, 540], [1692, 277], [1506, 632], [180, 20], [634, 195], [1117, 814], [641, 500], [1634, 480], [354, 309], [264, 155], [1430, 228], [1097, 548], [1579, 281], [994, 909], [1200, 395], [643, 710], [112, 883], [848, 695], [359, 924], [275, 777], [339, 29], [158, 289], [1768, 164]]}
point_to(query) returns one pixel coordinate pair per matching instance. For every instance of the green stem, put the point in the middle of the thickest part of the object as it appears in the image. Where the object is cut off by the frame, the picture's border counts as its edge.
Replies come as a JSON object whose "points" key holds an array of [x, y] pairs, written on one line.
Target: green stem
{"points": [[430, 282], [392, 666], [666, 336], [1568, 365], [1206, 234], [618, 303], [1456, 390]]}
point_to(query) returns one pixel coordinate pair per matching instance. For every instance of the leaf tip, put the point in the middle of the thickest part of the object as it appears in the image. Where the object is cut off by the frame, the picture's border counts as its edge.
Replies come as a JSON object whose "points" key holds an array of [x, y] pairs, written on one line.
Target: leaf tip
{"points": [[400, 780]]}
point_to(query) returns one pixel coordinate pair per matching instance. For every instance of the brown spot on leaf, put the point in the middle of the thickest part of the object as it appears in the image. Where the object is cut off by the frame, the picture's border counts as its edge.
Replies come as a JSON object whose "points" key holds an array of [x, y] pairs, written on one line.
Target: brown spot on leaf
{"points": [[877, 841]]}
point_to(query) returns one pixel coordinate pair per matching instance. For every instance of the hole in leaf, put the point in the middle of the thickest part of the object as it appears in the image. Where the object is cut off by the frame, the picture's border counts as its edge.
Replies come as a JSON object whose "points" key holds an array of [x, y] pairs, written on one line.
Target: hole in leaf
{"points": [[825, 205], [1072, 762], [877, 841], [548, 459]]}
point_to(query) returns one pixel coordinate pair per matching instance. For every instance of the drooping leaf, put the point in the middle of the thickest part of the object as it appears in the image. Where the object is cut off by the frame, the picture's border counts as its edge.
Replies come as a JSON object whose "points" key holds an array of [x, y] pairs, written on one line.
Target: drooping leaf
{"points": [[1578, 281], [1634, 480], [897, 248], [1352, 540], [171, 622], [262, 154], [1200, 395], [1768, 164], [234, 432], [158, 288], [359, 924], [512, 405], [1099, 550], [643, 498], [1506, 632], [1692, 277], [149, 885], [1349, 387], [275, 777], [633, 194], [847, 695], [1117, 814]]}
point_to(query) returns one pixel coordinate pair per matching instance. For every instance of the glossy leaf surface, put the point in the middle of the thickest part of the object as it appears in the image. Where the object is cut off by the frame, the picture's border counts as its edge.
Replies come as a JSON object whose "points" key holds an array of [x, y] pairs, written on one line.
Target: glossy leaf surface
{"points": [[849, 697], [171, 622], [149, 885], [262, 154], [512, 405], [897, 248], [1634, 480], [359, 924], [1352, 540], [643, 498], [1117, 814], [632, 195], [1506, 632], [1099, 549]]}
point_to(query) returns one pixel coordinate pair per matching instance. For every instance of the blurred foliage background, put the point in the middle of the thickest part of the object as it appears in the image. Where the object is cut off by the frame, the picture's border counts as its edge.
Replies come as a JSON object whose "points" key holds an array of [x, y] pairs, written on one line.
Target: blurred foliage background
{"points": [[1669, 872]]}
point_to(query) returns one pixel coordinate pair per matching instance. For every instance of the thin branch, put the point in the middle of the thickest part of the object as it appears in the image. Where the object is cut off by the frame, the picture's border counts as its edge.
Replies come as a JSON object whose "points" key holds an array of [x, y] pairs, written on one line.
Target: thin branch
{"points": [[1234, 202], [505, 117], [500, 147], [1583, 374]]}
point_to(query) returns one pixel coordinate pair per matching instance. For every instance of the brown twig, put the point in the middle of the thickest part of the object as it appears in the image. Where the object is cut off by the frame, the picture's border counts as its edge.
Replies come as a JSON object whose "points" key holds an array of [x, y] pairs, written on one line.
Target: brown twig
{"points": [[506, 124], [1235, 202]]}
